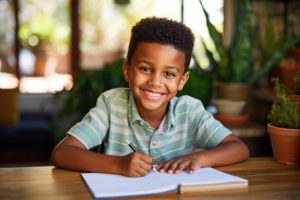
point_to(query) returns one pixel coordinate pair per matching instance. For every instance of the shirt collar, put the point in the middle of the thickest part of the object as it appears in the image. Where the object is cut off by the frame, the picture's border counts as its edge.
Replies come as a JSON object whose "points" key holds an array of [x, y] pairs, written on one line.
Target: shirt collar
{"points": [[135, 117], [133, 111], [170, 120]]}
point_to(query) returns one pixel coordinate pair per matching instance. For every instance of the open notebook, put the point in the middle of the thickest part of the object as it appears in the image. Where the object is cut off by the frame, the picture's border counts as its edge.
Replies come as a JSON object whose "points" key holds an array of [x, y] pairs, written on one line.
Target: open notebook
{"points": [[110, 185]]}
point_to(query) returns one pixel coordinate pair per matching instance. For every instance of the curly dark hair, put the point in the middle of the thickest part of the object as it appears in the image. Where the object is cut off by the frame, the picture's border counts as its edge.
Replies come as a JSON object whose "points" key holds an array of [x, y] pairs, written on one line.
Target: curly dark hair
{"points": [[163, 31]]}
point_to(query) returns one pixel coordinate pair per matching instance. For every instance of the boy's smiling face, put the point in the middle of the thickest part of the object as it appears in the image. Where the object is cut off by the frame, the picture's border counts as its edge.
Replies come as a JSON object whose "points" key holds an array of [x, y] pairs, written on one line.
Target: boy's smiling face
{"points": [[155, 74]]}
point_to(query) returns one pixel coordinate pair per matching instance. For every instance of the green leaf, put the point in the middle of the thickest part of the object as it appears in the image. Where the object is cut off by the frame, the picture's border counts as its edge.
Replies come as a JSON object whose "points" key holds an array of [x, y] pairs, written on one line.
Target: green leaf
{"points": [[274, 60], [242, 48], [221, 50]]}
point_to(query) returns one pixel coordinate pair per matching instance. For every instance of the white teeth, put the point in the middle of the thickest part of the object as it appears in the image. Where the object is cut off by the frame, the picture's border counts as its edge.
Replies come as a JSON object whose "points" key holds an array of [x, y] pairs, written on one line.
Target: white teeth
{"points": [[153, 95]]}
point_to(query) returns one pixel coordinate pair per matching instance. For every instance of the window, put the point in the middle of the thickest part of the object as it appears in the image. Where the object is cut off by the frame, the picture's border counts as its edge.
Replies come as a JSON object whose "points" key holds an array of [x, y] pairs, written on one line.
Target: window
{"points": [[7, 51], [44, 35]]}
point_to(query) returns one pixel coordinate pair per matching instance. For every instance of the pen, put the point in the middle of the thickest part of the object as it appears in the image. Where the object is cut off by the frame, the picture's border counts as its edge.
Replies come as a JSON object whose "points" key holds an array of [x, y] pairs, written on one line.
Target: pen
{"points": [[153, 167], [131, 145]]}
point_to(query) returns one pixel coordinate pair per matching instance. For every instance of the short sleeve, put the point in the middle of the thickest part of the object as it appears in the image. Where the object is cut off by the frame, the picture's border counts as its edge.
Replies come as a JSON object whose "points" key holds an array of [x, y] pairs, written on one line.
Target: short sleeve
{"points": [[209, 132], [93, 127]]}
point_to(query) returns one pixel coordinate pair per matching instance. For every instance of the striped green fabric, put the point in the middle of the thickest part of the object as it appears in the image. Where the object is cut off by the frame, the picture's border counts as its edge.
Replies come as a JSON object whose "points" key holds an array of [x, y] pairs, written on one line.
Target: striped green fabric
{"points": [[186, 127]]}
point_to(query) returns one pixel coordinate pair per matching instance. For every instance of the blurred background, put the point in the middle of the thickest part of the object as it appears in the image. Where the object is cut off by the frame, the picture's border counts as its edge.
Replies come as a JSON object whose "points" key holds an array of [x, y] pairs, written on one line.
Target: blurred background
{"points": [[56, 57]]}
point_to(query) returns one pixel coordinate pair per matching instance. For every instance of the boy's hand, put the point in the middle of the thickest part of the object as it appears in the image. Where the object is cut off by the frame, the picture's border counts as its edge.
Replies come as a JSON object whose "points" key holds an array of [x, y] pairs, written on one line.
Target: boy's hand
{"points": [[189, 163], [135, 164]]}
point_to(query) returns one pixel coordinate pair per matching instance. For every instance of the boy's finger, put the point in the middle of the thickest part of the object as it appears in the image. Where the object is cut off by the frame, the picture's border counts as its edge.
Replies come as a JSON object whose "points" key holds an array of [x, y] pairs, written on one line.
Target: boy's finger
{"points": [[163, 167], [193, 167], [145, 166], [182, 166], [142, 172], [147, 159], [173, 166]]}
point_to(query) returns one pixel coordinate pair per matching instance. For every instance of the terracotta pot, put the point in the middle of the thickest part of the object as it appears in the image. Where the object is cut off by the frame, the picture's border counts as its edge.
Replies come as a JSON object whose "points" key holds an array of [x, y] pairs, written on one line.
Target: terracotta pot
{"points": [[9, 99], [9, 106], [41, 54], [287, 72], [233, 91], [295, 97], [232, 121], [296, 54], [285, 144]]}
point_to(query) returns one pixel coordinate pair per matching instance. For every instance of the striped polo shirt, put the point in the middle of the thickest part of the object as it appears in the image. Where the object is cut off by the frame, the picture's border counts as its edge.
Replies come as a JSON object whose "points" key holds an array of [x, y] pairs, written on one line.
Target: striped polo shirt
{"points": [[115, 118]]}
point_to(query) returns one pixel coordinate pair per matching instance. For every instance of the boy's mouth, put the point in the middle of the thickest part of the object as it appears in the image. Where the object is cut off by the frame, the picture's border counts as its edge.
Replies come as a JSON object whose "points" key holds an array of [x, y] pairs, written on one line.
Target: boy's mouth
{"points": [[152, 95]]}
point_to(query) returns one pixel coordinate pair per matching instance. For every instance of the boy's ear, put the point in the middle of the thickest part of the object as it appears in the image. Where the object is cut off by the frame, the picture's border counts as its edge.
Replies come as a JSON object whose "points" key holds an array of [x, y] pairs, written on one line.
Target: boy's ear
{"points": [[183, 80], [126, 70]]}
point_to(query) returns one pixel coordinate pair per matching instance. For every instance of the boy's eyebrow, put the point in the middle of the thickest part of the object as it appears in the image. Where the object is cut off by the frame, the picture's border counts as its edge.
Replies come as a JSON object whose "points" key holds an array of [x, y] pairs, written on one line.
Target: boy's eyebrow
{"points": [[168, 66], [173, 67], [144, 61]]}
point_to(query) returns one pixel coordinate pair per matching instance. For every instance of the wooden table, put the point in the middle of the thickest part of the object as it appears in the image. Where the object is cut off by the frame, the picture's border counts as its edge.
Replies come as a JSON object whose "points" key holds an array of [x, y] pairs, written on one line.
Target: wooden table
{"points": [[268, 179]]}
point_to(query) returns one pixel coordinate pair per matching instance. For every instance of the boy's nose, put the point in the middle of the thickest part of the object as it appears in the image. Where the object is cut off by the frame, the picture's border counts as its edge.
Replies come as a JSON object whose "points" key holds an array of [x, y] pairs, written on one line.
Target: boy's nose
{"points": [[155, 81]]}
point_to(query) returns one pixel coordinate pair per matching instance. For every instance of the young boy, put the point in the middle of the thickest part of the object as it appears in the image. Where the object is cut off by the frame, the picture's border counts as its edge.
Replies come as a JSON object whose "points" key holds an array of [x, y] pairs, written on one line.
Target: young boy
{"points": [[164, 129]]}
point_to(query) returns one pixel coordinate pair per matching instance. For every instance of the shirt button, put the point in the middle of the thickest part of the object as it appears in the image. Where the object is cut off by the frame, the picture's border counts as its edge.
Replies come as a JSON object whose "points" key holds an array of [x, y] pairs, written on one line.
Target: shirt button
{"points": [[153, 144]]}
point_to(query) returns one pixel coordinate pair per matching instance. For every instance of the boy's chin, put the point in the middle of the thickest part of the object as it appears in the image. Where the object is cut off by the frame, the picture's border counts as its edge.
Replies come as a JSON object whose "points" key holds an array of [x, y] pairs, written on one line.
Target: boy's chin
{"points": [[151, 106]]}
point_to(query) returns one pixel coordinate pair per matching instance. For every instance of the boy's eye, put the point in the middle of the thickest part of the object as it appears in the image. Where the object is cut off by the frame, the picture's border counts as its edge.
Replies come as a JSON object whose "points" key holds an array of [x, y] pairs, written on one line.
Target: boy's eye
{"points": [[144, 69], [170, 74]]}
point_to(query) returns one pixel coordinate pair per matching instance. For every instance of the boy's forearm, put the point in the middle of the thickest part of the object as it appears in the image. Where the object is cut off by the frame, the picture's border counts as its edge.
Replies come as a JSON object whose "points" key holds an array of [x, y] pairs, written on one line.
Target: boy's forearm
{"points": [[77, 159], [224, 154]]}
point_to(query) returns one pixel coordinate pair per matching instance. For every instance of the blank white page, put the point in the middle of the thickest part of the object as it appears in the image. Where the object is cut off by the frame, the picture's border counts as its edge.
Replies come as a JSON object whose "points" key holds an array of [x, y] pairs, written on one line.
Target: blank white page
{"points": [[110, 185]]}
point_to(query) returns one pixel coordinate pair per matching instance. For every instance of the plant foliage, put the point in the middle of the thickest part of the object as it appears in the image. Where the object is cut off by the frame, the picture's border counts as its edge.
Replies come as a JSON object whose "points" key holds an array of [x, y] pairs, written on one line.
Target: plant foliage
{"points": [[285, 112], [234, 63], [89, 85], [281, 89], [297, 82]]}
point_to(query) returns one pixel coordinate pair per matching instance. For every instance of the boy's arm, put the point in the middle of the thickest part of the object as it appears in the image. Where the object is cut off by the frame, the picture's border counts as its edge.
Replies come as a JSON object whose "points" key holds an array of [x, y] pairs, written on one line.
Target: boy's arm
{"points": [[231, 150], [71, 154]]}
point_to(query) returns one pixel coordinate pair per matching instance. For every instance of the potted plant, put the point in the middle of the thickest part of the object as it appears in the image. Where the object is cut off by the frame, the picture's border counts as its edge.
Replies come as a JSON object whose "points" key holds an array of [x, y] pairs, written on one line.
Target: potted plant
{"points": [[41, 34], [230, 112], [284, 129], [232, 66]]}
